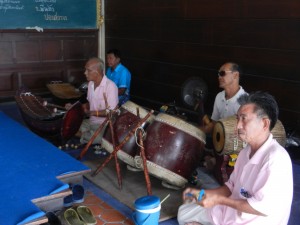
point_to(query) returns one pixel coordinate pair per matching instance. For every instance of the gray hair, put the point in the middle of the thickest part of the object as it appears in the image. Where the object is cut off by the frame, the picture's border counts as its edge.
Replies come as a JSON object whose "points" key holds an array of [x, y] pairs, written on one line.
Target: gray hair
{"points": [[265, 105], [99, 63]]}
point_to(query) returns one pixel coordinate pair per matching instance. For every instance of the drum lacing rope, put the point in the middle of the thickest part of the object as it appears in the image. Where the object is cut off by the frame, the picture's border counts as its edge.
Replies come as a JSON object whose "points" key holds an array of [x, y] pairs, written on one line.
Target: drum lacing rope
{"points": [[236, 144], [135, 134]]}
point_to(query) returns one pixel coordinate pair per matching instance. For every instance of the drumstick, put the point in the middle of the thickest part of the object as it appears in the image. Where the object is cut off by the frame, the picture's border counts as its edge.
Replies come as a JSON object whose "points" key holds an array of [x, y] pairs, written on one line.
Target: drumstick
{"points": [[105, 100], [99, 129], [45, 103], [165, 198]]}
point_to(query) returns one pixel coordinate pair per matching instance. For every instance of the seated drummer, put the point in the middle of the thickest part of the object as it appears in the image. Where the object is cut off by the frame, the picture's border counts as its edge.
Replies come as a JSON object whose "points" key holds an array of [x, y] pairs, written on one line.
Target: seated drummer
{"points": [[225, 105], [263, 169], [226, 101], [102, 95]]}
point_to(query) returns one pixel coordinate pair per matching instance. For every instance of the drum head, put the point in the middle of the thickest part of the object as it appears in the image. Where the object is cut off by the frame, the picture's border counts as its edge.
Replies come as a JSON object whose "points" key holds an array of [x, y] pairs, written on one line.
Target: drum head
{"points": [[218, 137], [279, 133], [64, 91], [72, 121]]}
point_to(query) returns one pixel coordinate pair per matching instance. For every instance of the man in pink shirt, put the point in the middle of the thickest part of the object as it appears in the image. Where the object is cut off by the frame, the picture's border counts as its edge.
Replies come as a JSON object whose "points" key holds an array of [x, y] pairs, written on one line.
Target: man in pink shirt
{"points": [[260, 189], [102, 95]]}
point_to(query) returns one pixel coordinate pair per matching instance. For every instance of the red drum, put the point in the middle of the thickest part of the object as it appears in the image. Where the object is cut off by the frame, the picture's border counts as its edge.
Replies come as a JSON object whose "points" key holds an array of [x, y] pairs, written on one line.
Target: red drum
{"points": [[123, 124], [173, 149], [71, 121]]}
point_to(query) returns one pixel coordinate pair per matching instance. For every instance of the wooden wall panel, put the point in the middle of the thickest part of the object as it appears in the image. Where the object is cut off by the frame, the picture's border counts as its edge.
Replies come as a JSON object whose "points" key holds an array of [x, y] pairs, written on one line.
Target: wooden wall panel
{"points": [[8, 81], [27, 51], [284, 90], [144, 9], [257, 33], [73, 49], [36, 81], [218, 9], [34, 59], [51, 50], [76, 76], [164, 43], [271, 9], [6, 50]]}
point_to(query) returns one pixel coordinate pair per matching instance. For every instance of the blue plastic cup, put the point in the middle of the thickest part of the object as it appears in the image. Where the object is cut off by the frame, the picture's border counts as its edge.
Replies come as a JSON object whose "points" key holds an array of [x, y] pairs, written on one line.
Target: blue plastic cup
{"points": [[147, 210]]}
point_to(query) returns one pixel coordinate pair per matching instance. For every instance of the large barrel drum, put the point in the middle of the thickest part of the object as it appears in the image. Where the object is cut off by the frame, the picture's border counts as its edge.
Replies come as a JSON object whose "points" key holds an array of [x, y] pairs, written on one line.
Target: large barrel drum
{"points": [[129, 117], [225, 139], [173, 148]]}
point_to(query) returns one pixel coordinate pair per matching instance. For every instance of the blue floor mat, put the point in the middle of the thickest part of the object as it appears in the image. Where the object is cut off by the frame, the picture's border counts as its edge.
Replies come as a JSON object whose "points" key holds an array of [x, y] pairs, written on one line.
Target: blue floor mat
{"points": [[29, 167]]}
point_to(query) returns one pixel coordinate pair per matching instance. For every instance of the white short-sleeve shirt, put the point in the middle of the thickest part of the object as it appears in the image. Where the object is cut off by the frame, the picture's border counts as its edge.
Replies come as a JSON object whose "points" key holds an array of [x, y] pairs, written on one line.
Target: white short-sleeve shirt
{"points": [[226, 107]]}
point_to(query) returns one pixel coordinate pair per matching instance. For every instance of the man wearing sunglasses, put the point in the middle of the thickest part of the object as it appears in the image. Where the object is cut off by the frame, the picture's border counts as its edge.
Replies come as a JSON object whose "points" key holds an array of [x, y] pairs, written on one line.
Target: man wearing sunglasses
{"points": [[225, 105], [226, 101]]}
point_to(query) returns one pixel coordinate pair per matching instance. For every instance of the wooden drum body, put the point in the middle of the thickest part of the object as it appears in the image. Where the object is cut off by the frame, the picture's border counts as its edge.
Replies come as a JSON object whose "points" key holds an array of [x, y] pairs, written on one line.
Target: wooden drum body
{"points": [[43, 121], [123, 124], [225, 139], [72, 121], [173, 149]]}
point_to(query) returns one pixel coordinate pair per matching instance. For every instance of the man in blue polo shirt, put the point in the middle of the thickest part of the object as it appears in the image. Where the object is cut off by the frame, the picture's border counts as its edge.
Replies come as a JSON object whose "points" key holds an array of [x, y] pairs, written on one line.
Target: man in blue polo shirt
{"points": [[119, 74]]}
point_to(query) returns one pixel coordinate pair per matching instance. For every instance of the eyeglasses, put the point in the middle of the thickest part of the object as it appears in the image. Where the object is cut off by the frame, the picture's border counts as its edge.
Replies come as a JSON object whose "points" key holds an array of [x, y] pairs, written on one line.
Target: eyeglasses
{"points": [[222, 73]]}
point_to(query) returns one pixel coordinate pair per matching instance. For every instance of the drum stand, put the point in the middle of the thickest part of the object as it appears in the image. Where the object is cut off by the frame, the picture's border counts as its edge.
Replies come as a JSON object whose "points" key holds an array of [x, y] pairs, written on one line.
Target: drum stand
{"points": [[105, 122], [109, 115], [142, 152], [84, 150], [117, 148]]}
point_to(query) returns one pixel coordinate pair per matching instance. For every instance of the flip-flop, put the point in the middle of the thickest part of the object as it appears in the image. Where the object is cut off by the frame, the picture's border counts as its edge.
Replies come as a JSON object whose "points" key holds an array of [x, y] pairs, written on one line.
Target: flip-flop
{"points": [[72, 217], [86, 215]]}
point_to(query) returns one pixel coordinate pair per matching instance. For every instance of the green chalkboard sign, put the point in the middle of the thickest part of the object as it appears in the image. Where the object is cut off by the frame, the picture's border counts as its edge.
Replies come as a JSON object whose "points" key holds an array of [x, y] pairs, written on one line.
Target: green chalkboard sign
{"points": [[48, 14]]}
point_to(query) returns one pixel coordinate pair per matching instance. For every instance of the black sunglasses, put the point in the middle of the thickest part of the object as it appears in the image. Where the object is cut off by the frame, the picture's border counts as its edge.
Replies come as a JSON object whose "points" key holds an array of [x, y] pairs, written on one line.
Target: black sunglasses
{"points": [[222, 73]]}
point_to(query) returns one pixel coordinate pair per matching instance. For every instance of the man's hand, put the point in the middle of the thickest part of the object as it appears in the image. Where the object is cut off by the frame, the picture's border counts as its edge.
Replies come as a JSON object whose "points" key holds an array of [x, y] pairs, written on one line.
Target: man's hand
{"points": [[190, 195], [208, 128], [210, 199]]}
